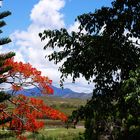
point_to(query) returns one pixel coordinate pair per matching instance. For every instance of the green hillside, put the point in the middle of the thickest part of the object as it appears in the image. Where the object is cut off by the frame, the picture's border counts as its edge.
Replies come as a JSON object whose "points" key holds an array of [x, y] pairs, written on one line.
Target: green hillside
{"points": [[65, 105]]}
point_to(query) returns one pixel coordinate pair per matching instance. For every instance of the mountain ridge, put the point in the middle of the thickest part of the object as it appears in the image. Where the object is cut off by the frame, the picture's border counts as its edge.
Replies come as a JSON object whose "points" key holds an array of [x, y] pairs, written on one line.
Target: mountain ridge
{"points": [[58, 92]]}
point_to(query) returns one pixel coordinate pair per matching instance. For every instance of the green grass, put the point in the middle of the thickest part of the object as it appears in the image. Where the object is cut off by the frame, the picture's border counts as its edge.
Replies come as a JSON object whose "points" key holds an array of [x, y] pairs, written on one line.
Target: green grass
{"points": [[59, 124], [48, 134], [6, 135], [56, 134], [64, 105]]}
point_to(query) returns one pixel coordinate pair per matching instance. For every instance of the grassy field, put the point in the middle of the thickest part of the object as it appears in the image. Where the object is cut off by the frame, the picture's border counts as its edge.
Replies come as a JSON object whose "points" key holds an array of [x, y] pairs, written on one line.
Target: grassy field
{"points": [[64, 105], [56, 134], [48, 134]]}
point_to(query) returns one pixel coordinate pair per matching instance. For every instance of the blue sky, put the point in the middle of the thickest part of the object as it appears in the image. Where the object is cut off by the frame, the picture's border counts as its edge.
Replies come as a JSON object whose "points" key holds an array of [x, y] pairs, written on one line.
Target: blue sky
{"points": [[21, 10], [29, 17]]}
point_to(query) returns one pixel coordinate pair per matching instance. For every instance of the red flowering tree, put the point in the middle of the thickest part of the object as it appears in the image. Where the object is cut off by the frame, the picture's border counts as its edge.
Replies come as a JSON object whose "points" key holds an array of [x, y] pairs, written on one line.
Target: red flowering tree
{"points": [[18, 112], [25, 110]]}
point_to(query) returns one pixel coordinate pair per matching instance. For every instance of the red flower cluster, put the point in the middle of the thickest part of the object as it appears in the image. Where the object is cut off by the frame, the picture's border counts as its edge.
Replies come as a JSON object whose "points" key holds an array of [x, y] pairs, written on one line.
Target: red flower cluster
{"points": [[22, 72], [27, 110]]}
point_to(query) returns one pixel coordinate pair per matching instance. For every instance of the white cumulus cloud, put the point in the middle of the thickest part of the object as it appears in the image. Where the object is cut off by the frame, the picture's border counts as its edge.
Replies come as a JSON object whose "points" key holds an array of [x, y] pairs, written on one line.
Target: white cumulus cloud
{"points": [[46, 14], [29, 48]]}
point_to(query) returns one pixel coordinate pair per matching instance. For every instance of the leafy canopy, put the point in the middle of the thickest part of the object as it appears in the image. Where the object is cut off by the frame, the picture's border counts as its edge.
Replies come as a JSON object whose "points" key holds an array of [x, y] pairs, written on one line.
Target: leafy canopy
{"points": [[104, 50]]}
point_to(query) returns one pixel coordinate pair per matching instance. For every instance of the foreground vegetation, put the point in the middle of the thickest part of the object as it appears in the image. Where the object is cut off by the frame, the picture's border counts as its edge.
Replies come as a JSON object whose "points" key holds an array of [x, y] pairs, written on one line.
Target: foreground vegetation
{"points": [[48, 134]]}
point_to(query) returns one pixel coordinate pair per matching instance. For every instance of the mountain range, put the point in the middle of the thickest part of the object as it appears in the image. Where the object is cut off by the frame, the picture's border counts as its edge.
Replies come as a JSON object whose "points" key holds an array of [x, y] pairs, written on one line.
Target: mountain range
{"points": [[58, 92]]}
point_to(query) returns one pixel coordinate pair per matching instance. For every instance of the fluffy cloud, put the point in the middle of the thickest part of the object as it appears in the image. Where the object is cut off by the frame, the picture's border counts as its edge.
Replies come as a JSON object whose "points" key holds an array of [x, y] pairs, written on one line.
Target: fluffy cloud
{"points": [[74, 27], [44, 15], [0, 3]]}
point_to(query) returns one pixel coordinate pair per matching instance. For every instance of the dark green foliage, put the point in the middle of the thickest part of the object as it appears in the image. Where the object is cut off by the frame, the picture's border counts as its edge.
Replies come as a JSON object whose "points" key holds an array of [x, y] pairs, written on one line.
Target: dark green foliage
{"points": [[6, 56], [4, 14], [105, 54], [5, 120], [79, 137], [131, 91], [2, 23], [5, 41], [3, 95]]}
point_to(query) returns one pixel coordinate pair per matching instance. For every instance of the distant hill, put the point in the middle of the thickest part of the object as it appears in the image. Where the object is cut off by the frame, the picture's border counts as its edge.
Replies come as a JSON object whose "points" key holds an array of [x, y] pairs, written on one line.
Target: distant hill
{"points": [[58, 92], [68, 93]]}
